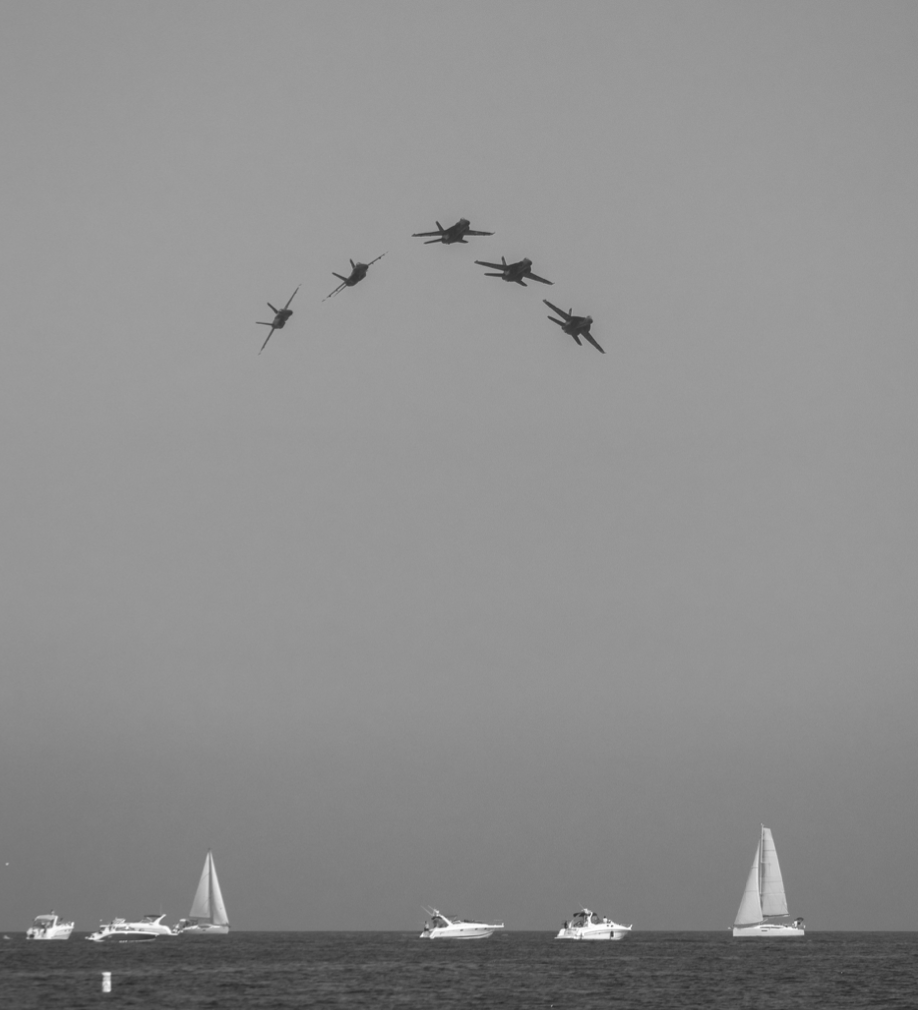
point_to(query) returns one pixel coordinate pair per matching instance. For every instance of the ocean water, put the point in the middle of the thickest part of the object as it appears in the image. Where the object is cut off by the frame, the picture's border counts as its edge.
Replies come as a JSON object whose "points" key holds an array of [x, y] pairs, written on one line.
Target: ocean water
{"points": [[258, 971]]}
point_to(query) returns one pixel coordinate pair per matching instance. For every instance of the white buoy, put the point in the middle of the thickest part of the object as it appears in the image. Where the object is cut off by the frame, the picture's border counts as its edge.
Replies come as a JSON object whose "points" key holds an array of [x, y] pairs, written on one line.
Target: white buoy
{"points": [[106, 981]]}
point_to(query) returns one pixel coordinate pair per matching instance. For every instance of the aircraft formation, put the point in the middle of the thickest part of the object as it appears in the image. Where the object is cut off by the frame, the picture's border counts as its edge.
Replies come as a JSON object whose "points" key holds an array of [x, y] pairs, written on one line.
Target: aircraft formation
{"points": [[513, 273]]}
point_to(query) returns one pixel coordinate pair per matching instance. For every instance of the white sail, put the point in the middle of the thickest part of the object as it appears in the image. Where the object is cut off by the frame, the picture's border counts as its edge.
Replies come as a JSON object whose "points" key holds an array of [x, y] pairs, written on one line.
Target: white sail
{"points": [[774, 901], [218, 910], [750, 909], [200, 907], [208, 898]]}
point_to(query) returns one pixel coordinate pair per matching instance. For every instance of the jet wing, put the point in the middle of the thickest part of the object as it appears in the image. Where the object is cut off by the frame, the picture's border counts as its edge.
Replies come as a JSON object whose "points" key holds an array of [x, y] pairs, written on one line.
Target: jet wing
{"points": [[494, 266], [532, 277], [586, 336], [479, 232], [340, 287], [555, 308], [268, 337], [426, 234]]}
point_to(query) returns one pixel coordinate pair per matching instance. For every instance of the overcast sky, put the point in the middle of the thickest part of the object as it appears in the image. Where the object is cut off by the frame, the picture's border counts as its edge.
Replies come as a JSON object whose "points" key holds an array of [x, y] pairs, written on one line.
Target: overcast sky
{"points": [[426, 604]]}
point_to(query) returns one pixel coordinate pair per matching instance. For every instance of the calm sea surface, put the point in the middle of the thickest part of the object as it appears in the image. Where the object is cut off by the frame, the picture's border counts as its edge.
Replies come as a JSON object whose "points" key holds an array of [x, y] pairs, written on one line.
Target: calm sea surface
{"points": [[256, 971]]}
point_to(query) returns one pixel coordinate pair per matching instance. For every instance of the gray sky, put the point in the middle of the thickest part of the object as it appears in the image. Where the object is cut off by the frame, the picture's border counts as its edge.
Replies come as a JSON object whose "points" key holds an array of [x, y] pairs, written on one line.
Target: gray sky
{"points": [[426, 604]]}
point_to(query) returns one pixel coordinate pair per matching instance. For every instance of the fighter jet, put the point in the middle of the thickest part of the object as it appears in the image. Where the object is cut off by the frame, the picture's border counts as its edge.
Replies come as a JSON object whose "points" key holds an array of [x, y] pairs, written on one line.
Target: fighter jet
{"points": [[280, 318], [454, 233], [513, 271], [574, 326], [358, 272]]}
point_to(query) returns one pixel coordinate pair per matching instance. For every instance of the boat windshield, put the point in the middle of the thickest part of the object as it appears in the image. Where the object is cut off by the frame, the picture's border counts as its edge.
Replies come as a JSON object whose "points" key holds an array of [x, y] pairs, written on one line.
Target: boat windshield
{"points": [[439, 922], [43, 920]]}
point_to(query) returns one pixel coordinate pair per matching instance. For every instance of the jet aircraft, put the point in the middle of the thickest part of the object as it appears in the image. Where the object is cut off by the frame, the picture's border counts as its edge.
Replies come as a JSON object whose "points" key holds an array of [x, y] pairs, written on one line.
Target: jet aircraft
{"points": [[513, 271], [357, 274], [574, 326], [454, 233], [280, 318]]}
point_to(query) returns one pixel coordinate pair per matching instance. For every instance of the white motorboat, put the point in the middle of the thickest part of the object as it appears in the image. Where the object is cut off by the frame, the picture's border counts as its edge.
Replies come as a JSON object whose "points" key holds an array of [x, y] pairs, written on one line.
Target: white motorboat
{"points": [[764, 899], [121, 931], [208, 912], [588, 925], [442, 927], [49, 927]]}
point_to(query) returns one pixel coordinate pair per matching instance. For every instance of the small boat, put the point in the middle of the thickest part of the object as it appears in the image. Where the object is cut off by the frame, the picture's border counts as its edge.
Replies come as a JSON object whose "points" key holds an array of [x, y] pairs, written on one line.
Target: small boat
{"points": [[49, 927], [442, 927], [208, 913], [587, 925], [764, 899], [121, 931]]}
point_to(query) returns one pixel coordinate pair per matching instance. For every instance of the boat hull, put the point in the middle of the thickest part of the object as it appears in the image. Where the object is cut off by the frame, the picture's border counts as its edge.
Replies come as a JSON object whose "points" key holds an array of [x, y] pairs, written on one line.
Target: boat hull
{"points": [[61, 932], [769, 929], [459, 933], [121, 931], [122, 936], [204, 929], [595, 933]]}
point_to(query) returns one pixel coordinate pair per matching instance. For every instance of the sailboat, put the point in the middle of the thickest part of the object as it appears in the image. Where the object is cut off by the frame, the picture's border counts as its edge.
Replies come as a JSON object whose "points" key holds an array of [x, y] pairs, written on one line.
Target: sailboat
{"points": [[208, 913], [764, 898]]}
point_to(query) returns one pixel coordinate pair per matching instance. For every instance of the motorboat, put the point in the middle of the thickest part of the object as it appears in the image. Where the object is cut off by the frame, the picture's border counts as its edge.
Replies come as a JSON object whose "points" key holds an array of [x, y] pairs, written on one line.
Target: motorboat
{"points": [[49, 927], [208, 912], [589, 925], [764, 899], [444, 927], [121, 931]]}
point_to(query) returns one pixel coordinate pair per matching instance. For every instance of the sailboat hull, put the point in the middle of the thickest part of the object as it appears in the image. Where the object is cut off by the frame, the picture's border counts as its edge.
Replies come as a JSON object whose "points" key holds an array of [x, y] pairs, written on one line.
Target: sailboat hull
{"points": [[769, 929], [205, 929]]}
